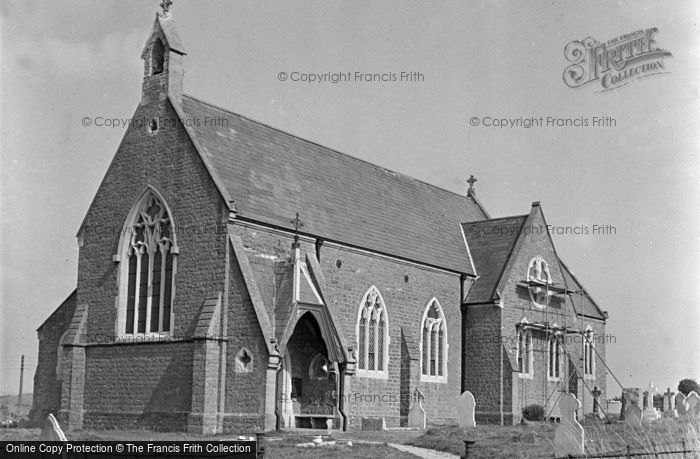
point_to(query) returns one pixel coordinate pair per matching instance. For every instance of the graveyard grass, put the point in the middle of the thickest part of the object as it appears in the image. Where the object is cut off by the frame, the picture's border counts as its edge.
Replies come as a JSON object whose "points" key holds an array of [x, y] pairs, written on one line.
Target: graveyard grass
{"points": [[536, 439], [531, 440]]}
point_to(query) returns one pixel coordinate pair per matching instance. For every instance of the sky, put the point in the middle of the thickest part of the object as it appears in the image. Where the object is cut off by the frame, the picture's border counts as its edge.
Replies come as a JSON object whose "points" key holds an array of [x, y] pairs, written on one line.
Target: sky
{"points": [[62, 62]]}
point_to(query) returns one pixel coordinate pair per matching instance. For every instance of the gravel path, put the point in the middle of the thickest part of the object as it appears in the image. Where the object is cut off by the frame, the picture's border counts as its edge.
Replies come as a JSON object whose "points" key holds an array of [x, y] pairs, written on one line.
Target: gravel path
{"points": [[423, 452]]}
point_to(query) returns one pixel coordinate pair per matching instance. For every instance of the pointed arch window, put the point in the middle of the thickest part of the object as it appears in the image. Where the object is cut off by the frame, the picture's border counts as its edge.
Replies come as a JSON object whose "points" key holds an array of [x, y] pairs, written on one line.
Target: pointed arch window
{"points": [[524, 352], [148, 271], [539, 279], [372, 335], [588, 354], [433, 343], [554, 357]]}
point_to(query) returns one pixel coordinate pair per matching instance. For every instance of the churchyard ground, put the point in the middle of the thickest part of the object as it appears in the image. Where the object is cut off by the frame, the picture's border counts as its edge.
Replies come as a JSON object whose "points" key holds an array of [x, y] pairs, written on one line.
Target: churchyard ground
{"points": [[532, 440]]}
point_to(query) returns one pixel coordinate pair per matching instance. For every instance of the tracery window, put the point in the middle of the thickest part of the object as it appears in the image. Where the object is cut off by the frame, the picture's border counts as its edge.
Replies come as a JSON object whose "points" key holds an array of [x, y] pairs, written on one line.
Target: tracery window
{"points": [[433, 343], [148, 269], [372, 335]]}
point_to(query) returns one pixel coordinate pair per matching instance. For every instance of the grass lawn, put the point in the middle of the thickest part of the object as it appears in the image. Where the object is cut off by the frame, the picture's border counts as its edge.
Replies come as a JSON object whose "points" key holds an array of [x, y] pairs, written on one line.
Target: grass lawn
{"points": [[534, 440], [528, 441]]}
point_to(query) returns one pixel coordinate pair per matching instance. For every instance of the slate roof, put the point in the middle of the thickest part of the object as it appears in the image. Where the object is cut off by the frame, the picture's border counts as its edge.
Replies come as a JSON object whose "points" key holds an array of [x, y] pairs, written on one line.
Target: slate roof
{"points": [[272, 174], [67, 303], [264, 270], [583, 304], [491, 242]]}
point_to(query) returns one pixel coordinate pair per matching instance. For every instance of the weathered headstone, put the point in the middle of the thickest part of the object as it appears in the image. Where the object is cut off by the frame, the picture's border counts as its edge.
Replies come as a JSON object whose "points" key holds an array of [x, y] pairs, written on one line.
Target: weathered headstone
{"points": [[569, 435], [51, 431], [377, 424], [681, 405], [597, 411], [416, 414], [633, 415], [650, 413], [614, 408], [693, 401], [669, 408], [630, 396], [465, 410]]}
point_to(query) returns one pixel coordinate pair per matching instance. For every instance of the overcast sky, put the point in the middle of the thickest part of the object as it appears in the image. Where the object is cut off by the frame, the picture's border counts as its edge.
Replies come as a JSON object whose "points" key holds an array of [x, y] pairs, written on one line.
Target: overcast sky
{"points": [[63, 61]]}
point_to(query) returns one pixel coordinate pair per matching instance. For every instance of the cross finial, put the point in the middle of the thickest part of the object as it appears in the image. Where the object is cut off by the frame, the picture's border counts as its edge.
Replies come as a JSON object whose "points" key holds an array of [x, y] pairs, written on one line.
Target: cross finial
{"points": [[165, 6], [296, 221], [471, 181]]}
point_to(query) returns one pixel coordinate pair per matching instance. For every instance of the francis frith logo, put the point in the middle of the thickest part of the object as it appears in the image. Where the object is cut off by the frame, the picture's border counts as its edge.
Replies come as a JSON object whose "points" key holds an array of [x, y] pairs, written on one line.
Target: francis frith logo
{"points": [[616, 62]]}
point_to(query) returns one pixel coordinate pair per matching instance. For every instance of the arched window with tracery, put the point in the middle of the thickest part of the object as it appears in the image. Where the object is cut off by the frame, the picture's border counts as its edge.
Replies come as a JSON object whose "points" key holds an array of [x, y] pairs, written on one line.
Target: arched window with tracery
{"points": [[433, 343], [372, 335], [148, 269]]}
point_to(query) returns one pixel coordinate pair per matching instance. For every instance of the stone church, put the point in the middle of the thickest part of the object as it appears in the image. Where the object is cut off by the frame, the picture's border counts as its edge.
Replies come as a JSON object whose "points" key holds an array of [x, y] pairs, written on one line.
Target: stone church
{"points": [[234, 277]]}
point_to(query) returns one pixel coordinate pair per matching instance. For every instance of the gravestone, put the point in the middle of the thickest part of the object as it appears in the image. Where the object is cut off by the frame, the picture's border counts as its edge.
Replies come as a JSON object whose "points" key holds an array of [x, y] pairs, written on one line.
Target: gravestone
{"points": [[681, 405], [569, 435], [650, 413], [693, 401], [597, 411], [465, 409], [633, 415], [416, 414], [374, 424], [669, 409], [630, 396], [614, 408], [51, 431]]}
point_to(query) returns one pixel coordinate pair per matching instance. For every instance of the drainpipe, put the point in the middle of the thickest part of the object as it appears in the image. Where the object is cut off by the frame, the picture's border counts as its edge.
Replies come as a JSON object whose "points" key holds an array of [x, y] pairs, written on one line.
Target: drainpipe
{"points": [[501, 398], [346, 373], [341, 397], [500, 359]]}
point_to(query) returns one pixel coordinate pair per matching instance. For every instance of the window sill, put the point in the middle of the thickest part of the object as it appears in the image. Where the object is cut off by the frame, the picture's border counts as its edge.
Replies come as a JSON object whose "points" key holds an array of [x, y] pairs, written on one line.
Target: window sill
{"points": [[554, 379], [372, 374], [433, 379], [526, 375]]}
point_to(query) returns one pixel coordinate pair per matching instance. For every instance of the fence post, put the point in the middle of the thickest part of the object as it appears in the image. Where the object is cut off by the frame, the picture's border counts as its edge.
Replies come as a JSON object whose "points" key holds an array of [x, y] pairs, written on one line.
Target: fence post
{"points": [[260, 441], [683, 446], [467, 447]]}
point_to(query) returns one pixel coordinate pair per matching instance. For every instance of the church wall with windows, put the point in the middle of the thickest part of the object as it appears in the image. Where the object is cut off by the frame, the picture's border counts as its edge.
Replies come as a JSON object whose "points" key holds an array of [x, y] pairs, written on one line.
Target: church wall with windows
{"points": [[526, 303], [406, 290], [189, 316], [166, 161]]}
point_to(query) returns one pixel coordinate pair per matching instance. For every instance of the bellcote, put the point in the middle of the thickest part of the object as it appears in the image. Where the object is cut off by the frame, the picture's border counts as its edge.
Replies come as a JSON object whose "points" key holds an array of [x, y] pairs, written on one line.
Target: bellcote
{"points": [[163, 62]]}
